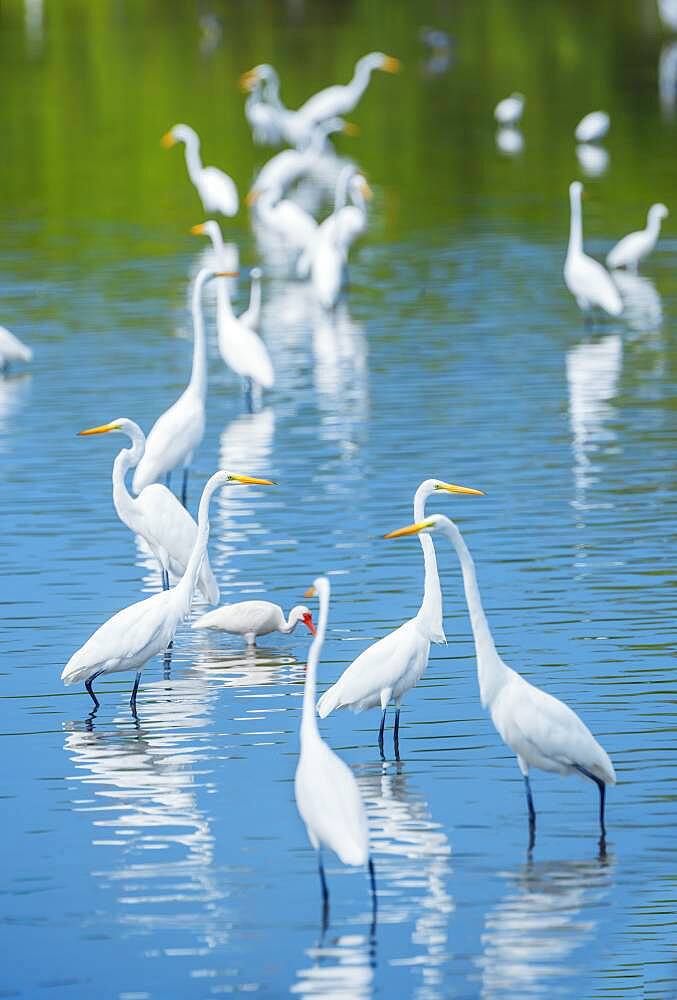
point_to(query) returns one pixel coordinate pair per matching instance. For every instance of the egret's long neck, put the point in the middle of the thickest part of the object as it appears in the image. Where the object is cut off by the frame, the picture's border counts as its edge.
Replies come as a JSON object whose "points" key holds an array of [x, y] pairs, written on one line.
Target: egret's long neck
{"points": [[185, 588], [222, 296], [653, 226], [125, 460], [575, 226], [341, 194], [492, 673], [193, 161], [309, 728], [431, 607], [254, 307], [198, 378], [360, 80]]}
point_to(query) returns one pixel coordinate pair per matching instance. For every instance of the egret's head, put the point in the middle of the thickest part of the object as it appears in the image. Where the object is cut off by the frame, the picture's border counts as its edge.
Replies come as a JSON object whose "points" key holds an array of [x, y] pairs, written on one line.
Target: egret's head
{"points": [[379, 60], [122, 425], [428, 525], [358, 184], [658, 211], [258, 74], [302, 614], [255, 274], [252, 197], [575, 189], [234, 477], [440, 485], [179, 133], [209, 228]]}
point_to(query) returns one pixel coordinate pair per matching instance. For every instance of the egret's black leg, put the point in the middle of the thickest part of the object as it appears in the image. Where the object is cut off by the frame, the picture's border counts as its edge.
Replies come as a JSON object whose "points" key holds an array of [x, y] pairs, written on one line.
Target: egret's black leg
{"points": [[249, 395], [88, 685], [602, 796], [325, 894], [380, 734], [165, 579], [132, 700], [396, 735], [374, 900], [532, 813], [184, 487]]}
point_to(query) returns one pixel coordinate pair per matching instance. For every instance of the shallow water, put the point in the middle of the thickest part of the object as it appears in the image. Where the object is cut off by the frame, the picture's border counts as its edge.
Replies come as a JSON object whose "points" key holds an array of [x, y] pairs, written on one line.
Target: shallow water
{"points": [[165, 857]]}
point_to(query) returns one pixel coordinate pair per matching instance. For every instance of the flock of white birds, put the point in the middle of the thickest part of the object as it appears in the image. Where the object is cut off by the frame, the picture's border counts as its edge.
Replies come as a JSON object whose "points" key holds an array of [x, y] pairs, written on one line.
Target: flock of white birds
{"points": [[541, 731]]}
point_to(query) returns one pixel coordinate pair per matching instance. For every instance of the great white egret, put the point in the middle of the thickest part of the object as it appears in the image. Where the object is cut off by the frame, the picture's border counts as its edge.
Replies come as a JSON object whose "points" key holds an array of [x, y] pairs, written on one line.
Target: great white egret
{"points": [[286, 220], [327, 254], [509, 110], [156, 514], [390, 667], [327, 795], [179, 430], [592, 127], [587, 280], [241, 347], [12, 349], [635, 246], [253, 618], [263, 108], [216, 189], [132, 636], [283, 169], [540, 730]]}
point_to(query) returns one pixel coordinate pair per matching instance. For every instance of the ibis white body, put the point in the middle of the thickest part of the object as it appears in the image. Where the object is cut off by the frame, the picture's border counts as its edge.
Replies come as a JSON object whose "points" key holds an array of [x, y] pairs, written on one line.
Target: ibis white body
{"points": [[252, 619]]}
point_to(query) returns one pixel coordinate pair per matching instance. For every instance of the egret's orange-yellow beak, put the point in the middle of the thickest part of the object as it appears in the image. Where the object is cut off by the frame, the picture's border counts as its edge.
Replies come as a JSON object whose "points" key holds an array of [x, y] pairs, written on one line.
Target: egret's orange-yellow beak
{"points": [[310, 625], [451, 488], [391, 65], [350, 128], [247, 80], [310, 592], [366, 190], [168, 140], [103, 429], [198, 230], [252, 197], [250, 480], [226, 274], [411, 529]]}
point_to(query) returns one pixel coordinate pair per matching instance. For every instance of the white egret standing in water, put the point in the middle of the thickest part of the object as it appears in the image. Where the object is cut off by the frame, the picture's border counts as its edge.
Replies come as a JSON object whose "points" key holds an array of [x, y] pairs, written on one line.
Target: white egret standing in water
{"points": [[251, 619], [156, 514], [216, 189], [636, 246], [390, 667], [132, 636], [327, 794], [592, 127], [587, 280], [12, 349], [509, 110], [240, 347], [179, 430], [540, 730]]}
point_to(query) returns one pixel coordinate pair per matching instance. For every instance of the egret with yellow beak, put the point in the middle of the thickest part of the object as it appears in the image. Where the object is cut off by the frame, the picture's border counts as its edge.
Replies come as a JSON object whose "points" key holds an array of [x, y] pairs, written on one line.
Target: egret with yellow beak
{"points": [[216, 189], [386, 670], [540, 730]]}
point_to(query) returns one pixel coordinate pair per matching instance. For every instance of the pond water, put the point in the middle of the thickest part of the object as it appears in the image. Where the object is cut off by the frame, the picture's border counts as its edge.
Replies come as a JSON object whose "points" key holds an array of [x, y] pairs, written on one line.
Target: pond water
{"points": [[164, 857]]}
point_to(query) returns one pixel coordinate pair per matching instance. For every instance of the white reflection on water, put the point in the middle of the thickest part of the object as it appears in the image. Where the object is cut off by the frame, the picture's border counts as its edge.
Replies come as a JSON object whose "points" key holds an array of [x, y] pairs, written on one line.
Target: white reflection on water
{"points": [[593, 371], [411, 853], [667, 79], [543, 917], [139, 785], [14, 394], [642, 303], [593, 160], [341, 377], [509, 141], [342, 969]]}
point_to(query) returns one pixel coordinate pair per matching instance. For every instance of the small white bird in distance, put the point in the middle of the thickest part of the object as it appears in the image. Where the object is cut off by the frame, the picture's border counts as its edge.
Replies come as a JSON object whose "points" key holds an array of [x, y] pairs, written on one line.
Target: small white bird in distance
{"points": [[254, 618], [593, 127], [540, 730], [327, 795], [510, 109], [12, 349], [634, 247]]}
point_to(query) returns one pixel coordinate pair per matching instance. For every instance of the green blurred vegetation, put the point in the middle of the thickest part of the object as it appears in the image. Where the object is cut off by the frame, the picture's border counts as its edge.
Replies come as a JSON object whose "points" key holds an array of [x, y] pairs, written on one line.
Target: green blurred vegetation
{"points": [[85, 104]]}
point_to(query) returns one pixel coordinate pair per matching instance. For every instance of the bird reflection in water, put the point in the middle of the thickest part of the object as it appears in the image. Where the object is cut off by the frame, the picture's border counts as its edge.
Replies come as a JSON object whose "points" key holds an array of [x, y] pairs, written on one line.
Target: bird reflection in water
{"points": [[546, 914], [341, 377], [139, 784], [667, 79], [642, 303], [342, 969], [413, 853], [14, 394], [593, 371]]}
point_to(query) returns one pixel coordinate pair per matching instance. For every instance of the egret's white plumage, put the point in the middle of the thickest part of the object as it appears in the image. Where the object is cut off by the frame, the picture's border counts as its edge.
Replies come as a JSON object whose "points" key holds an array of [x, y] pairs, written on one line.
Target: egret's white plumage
{"points": [[509, 110], [390, 667], [251, 317], [216, 189], [342, 98], [593, 127], [587, 280], [179, 430], [12, 349], [283, 169], [132, 636], [285, 219], [156, 514], [541, 731], [240, 347], [253, 618], [635, 246], [327, 794]]}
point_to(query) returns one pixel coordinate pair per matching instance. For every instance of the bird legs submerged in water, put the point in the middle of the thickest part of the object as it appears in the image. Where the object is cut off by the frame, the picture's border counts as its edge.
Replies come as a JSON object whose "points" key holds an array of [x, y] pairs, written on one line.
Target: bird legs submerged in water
{"points": [[97, 703], [602, 798], [325, 895], [396, 734]]}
